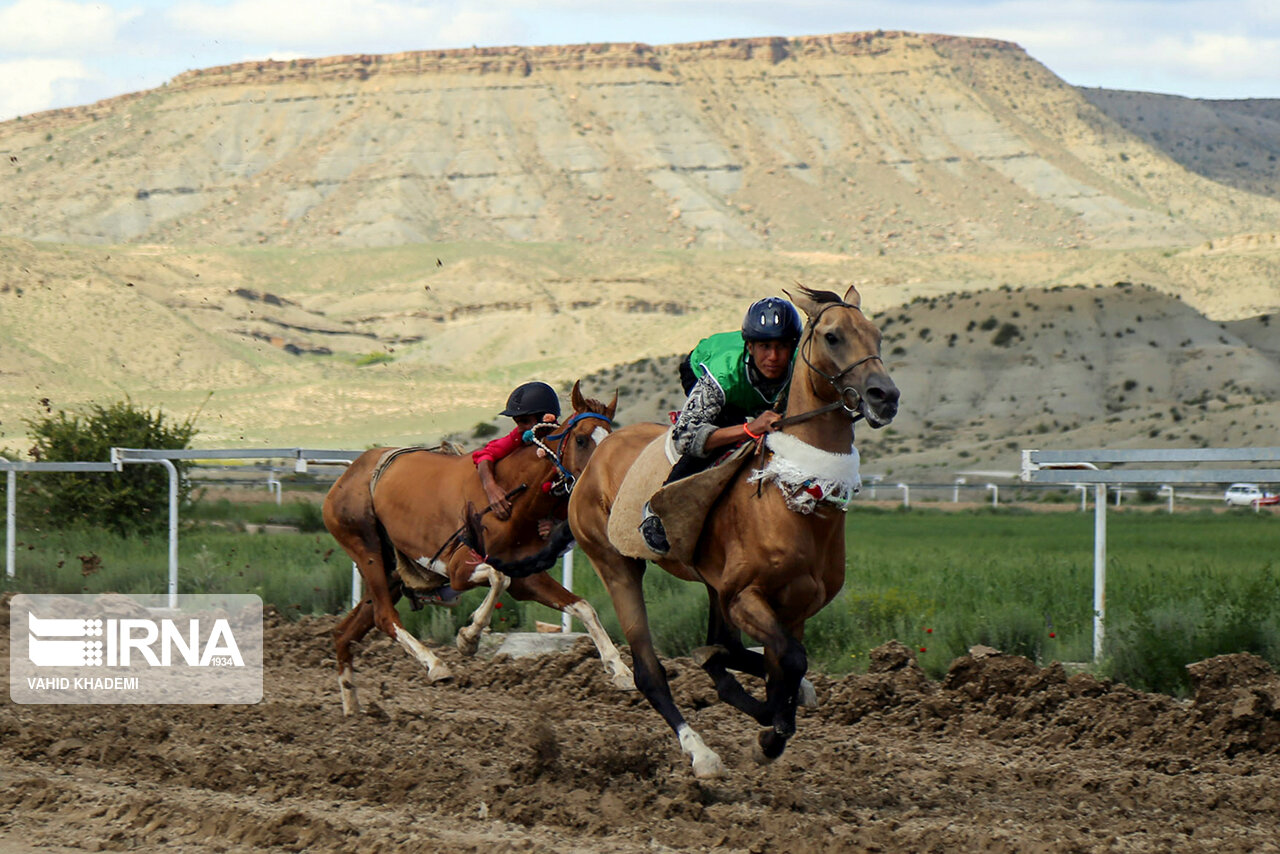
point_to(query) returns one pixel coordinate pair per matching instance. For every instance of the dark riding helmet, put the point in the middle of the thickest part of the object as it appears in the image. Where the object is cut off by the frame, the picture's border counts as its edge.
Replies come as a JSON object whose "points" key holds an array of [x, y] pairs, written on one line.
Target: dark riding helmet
{"points": [[771, 319], [532, 399]]}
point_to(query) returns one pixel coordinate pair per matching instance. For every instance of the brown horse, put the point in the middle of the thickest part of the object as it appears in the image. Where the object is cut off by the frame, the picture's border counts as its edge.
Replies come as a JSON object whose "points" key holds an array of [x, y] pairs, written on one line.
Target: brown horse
{"points": [[767, 567], [405, 528]]}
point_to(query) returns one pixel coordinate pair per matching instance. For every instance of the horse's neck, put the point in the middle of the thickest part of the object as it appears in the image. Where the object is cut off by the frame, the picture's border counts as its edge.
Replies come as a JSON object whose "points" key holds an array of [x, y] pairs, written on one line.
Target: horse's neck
{"points": [[524, 466], [831, 431]]}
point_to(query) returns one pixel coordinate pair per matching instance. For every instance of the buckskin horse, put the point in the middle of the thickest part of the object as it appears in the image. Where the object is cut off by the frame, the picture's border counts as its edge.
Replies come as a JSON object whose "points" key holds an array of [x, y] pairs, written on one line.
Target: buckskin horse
{"points": [[767, 567], [399, 522]]}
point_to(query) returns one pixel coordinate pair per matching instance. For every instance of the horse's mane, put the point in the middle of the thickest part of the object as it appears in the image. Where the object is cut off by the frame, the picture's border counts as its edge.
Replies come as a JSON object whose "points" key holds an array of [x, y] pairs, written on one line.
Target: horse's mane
{"points": [[594, 405], [821, 297]]}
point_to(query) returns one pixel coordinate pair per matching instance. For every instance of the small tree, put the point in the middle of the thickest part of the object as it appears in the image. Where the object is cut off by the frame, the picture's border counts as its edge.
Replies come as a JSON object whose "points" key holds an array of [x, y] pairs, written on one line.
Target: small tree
{"points": [[133, 500]]}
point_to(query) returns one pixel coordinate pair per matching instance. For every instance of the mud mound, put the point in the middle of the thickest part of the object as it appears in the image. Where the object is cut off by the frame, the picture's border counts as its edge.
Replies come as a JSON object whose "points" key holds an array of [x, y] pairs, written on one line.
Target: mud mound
{"points": [[544, 755]]}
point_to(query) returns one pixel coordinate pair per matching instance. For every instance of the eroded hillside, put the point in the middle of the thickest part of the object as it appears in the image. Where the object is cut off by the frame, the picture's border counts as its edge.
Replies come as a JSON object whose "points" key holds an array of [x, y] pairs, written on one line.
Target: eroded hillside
{"points": [[862, 143], [984, 375], [1236, 143]]}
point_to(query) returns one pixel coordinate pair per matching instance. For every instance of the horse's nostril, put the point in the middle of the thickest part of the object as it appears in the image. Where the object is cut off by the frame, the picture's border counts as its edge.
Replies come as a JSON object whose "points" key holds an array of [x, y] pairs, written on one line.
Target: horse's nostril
{"points": [[876, 395]]}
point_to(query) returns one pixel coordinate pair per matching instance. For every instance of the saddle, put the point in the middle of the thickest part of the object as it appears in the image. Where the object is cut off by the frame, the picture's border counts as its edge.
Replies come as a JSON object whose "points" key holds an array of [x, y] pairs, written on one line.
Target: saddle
{"points": [[683, 505]]}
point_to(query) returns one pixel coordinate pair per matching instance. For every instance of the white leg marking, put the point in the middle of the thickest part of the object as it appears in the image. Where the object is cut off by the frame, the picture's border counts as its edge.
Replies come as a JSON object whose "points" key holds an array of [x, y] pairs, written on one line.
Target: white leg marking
{"points": [[436, 669], [618, 672], [469, 635], [706, 763], [347, 685], [807, 696], [599, 434]]}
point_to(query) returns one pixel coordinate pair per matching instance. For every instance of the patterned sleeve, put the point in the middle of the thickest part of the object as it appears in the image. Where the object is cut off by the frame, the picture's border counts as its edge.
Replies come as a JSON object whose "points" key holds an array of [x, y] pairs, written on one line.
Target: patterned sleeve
{"points": [[696, 420]]}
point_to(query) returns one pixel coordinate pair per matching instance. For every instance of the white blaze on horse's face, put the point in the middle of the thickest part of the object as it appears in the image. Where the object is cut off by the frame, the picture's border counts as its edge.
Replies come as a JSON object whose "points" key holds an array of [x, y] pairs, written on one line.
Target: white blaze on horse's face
{"points": [[598, 435]]}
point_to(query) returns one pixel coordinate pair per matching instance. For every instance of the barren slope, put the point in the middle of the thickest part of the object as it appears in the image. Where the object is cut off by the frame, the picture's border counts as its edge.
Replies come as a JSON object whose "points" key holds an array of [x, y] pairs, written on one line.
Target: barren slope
{"points": [[858, 143], [1236, 143]]}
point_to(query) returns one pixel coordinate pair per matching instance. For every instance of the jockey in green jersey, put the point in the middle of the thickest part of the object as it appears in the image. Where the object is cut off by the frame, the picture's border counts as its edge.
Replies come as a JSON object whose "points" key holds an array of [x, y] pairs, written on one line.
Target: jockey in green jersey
{"points": [[736, 385]]}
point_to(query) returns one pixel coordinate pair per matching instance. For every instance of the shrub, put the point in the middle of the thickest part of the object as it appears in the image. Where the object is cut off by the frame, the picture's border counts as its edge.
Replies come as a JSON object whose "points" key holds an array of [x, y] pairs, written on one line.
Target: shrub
{"points": [[134, 499], [1005, 336], [375, 358]]}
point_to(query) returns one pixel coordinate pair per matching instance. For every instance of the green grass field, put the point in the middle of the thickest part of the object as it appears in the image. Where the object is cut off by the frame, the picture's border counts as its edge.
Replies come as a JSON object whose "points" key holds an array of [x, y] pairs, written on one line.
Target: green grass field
{"points": [[1179, 589]]}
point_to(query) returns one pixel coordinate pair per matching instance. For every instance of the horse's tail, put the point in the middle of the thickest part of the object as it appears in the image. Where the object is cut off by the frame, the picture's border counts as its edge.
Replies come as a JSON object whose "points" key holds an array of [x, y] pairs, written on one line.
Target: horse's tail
{"points": [[558, 542]]}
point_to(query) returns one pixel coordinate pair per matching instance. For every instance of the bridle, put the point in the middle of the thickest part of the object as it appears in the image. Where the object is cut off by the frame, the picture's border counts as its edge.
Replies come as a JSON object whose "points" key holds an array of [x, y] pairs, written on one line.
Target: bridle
{"points": [[562, 485], [853, 411]]}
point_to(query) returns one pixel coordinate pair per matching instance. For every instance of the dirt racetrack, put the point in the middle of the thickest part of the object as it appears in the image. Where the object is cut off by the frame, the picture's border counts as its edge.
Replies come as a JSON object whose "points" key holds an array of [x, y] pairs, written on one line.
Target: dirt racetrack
{"points": [[544, 755]]}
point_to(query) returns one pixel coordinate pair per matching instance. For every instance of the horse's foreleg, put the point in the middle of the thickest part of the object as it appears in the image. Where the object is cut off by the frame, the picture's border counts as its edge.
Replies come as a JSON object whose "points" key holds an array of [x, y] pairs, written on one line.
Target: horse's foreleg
{"points": [[785, 666], [724, 650], [729, 653], [545, 590], [352, 628], [469, 635], [618, 672]]}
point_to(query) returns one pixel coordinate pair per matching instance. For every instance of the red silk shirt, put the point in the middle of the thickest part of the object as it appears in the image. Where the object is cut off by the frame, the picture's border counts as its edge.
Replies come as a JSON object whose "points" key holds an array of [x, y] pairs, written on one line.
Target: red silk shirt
{"points": [[499, 448]]}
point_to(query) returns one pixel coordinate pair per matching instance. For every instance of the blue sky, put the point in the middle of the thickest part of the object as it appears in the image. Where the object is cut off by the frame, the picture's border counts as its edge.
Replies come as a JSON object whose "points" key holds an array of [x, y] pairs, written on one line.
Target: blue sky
{"points": [[56, 53]]}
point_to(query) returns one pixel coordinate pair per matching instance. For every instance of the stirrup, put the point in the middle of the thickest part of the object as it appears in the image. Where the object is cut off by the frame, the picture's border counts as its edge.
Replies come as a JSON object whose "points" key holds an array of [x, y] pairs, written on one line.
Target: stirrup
{"points": [[655, 535]]}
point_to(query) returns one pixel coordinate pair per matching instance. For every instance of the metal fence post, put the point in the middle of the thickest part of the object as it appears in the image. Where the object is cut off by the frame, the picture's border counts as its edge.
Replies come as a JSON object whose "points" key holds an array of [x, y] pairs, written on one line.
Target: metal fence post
{"points": [[566, 579], [1099, 568], [11, 513]]}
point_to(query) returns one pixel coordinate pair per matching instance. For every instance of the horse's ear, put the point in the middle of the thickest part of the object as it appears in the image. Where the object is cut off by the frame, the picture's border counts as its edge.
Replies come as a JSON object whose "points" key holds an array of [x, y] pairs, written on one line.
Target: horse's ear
{"points": [[802, 302], [853, 298], [576, 398], [613, 405]]}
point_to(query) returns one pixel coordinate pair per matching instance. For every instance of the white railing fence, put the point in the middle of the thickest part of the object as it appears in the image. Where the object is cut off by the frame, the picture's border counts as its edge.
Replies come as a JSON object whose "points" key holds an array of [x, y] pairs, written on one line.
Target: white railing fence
{"points": [[120, 457], [1070, 468]]}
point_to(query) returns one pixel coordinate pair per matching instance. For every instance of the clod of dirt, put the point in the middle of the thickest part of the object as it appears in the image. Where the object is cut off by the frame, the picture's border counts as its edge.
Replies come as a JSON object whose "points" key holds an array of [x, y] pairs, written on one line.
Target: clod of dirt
{"points": [[1237, 697]]}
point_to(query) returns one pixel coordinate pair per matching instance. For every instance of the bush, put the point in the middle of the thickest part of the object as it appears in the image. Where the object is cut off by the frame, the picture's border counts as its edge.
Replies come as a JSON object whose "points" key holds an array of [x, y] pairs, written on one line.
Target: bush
{"points": [[132, 500], [1004, 337]]}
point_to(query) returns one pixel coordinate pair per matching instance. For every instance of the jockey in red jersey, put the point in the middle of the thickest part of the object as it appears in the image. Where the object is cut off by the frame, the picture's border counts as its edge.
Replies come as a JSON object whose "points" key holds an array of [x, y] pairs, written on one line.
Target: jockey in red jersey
{"points": [[528, 404]]}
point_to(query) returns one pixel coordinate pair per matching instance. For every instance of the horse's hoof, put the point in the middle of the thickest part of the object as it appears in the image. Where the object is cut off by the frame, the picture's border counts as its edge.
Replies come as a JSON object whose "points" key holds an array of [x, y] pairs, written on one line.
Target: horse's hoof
{"points": [[623, 679], [708, 766], [769, 746], [703, 654], [439, 673], [468, 644], [807, 696]]}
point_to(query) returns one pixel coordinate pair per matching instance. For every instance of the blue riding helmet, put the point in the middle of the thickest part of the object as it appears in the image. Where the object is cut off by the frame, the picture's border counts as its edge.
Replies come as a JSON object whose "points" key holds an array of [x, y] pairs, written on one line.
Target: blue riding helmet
{"points": [[771, 319]]}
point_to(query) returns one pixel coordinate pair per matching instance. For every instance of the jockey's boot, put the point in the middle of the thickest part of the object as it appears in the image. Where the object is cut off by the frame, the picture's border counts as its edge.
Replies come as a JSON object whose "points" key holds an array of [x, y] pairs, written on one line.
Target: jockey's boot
{"points": [[653, 532]]}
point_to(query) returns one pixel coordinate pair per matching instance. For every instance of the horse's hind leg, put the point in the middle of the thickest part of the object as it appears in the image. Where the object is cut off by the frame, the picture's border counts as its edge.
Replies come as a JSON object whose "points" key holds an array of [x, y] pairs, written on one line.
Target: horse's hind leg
{"points": [[623, 577], [785, 665], [381, 600], [544, 589], [352, 628]]}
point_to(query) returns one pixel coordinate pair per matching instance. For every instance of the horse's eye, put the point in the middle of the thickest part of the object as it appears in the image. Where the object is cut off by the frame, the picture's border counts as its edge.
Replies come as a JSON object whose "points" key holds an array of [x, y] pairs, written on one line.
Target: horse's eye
{"points": [[832, 338], [582, 441]]}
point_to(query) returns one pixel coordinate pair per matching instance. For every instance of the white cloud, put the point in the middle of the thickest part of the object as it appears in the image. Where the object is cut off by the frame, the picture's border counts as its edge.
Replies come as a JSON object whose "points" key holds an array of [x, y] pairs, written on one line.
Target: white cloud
{"points": [[339, 26], [60, 27], [32, 85], [1224, 57]]}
